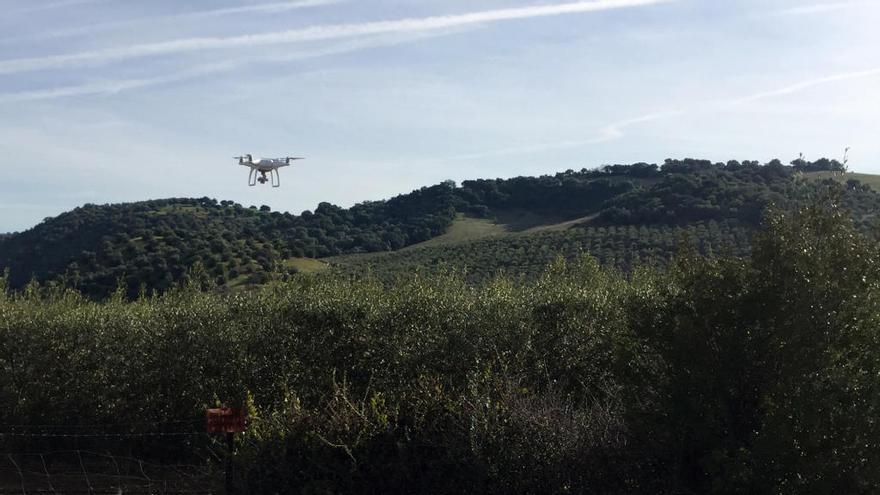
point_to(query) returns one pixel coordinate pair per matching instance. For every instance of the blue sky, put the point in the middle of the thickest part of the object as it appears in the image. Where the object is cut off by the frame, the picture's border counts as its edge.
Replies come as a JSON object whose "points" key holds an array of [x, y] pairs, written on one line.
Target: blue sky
{"points": [[107, 101]]}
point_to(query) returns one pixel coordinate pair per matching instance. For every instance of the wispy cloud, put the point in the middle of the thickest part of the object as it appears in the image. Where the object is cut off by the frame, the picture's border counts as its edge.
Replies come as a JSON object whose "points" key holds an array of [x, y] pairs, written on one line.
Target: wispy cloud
{"points": [[820, 8], [616, 130], [116, 86], [314, 33], [803, 85], [263, 8], [113, 86], [606, 133], [54, 5], [260, 8]]}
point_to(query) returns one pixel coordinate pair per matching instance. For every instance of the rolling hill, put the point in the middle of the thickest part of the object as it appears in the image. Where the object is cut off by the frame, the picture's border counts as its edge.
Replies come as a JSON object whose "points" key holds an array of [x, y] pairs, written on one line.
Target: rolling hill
{"points": [[622, 214], [529, 253]]}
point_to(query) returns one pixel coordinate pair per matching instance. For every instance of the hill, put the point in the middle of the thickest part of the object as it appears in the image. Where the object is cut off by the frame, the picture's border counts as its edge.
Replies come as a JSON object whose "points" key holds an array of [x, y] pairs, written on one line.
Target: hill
{"points": [[152, 244], [850, 179], [619, 213], [528, 254]]}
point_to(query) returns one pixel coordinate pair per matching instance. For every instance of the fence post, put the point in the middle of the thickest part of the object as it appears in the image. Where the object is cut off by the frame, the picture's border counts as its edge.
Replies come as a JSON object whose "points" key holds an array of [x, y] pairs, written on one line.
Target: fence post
{"points": [[230, 466], [228, 421]]}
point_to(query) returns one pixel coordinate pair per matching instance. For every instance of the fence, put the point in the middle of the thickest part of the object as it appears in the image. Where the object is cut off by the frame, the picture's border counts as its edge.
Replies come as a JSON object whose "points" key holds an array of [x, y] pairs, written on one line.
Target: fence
{"points": [[109, 459]]}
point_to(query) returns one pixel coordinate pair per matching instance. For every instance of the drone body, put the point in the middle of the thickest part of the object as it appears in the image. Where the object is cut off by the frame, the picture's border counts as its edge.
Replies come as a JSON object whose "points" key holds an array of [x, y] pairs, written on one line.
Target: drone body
{"points": [[264, 166]]}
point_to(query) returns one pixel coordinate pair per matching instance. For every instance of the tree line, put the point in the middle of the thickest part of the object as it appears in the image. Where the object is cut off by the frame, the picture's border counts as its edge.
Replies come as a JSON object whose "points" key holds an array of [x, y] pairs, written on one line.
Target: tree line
{"points": [[148, 246]]}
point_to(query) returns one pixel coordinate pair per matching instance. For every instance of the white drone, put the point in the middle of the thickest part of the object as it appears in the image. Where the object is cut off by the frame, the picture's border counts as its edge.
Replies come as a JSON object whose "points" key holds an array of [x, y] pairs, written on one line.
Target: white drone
{"points": [[264, 166]]}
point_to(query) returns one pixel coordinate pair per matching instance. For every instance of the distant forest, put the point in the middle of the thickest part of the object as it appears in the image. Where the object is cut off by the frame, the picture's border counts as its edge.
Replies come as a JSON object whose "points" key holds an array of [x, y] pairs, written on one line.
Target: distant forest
{"points": [[150, 246]]}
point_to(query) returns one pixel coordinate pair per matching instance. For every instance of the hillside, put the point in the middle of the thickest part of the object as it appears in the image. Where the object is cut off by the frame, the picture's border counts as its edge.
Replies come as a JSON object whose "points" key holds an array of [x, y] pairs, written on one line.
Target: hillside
{"points": [[619, 213], [529, 253], [152, 244], [872, 181]]}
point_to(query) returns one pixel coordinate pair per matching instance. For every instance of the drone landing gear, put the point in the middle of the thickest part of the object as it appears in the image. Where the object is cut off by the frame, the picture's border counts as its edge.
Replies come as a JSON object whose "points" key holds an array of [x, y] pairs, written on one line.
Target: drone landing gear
{"points": [[260, 176]]}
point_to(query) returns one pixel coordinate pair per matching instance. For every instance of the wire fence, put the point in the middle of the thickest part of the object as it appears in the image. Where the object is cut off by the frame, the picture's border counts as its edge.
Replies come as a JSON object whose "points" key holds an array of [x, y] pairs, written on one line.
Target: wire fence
{"points": [[110, 465]]}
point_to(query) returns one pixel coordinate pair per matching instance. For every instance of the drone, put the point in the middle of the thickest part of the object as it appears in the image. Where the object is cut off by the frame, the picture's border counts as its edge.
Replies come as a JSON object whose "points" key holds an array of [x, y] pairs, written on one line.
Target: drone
{"points": [[264, 166]]}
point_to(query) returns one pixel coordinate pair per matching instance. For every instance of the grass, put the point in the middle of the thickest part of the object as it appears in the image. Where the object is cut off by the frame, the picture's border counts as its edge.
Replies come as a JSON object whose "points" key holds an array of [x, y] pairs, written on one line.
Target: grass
{"points": [[563, 225], [465, 229], [306, 265], [521, 221], [870, 179], [240, 282]]}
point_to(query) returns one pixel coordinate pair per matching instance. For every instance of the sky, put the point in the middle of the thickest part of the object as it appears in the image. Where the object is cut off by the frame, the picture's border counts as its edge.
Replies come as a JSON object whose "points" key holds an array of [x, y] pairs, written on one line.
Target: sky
{"points": [[107, 101]]}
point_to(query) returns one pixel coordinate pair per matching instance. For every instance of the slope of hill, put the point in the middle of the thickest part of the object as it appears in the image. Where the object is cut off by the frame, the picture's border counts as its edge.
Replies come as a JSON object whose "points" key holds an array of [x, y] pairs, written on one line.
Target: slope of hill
{"points": [[872, 181], [528, 254], [152, 244], [620, 213]]}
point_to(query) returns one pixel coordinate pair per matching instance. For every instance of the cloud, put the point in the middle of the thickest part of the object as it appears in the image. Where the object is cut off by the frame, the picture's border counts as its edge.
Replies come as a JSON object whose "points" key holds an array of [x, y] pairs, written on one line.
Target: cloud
{"points": [[260, 8], [314, 33], [108, 87], [54, 5], [606, 133], [819, 8], [803, 85], [112, 86], [616, 130]]}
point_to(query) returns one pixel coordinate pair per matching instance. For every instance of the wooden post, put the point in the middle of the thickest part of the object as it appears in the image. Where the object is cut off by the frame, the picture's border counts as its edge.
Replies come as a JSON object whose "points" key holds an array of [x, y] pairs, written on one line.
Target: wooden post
{"points": [[230, 466], [230, 422]]}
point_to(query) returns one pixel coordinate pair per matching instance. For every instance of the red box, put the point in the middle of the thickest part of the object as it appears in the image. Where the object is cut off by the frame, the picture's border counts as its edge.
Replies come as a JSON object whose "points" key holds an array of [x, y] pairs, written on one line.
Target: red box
{"points": [[225, 420]]}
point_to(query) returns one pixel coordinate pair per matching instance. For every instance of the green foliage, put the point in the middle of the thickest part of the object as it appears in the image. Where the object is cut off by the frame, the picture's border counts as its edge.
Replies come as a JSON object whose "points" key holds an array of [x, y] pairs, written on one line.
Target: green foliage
{"points": [[820, 165], [152, 244], [528, 255], [692, 190], [755, 374]]}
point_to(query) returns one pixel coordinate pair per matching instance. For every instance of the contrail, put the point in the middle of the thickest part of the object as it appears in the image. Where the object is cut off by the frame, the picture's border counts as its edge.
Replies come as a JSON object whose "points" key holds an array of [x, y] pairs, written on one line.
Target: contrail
{"points": [[112, 87], [794, 88], [55, 5], [260, 8], [820, 8], [615, 130], [314, 33], [116, 86], [607, 133]]}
